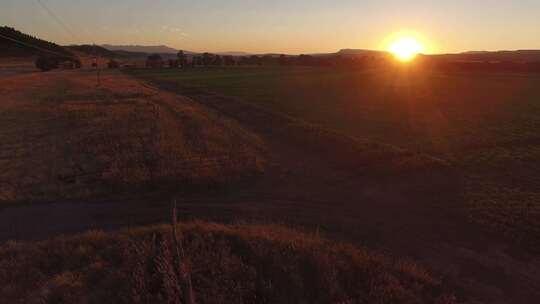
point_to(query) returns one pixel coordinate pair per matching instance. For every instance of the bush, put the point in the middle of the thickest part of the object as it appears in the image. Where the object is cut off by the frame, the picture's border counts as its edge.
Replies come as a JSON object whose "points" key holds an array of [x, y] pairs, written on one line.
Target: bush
{"points": [[46, 63], [112, 64], [154, 61], [173, 63], [77, 63]]}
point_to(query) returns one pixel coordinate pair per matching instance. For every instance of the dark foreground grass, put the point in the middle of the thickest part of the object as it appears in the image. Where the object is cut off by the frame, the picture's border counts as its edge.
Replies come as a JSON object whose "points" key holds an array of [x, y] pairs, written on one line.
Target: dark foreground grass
{"points": [[229, 264]]}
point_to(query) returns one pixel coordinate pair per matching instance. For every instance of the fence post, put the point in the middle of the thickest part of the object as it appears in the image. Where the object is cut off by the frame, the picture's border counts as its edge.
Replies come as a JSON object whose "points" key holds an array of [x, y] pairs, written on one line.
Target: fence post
{"points": [[180, 264]]}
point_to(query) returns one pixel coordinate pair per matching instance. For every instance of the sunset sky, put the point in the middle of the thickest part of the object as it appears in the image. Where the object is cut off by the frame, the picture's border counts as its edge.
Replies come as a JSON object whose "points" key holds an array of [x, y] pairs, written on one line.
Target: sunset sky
{"points": [[284, 26]]}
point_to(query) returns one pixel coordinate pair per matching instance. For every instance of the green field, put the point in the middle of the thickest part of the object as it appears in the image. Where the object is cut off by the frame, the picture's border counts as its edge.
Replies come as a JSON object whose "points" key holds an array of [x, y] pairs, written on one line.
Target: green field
{"points": [[434, 112], [485, 124]]}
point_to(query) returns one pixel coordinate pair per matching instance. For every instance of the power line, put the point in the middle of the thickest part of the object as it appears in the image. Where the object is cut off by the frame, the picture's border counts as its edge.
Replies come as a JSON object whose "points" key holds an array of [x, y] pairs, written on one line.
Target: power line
{"points": [[36, 47], [66, 28], [57, 19]]}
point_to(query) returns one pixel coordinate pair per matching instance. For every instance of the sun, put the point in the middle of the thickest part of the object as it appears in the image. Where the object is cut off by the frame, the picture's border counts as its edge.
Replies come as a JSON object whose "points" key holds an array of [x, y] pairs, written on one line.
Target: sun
{"points": [[406, 48]]}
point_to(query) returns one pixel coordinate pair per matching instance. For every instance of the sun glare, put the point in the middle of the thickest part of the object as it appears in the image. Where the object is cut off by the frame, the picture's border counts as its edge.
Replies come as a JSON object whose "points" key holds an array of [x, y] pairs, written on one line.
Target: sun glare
{"points": [[406, 48]]}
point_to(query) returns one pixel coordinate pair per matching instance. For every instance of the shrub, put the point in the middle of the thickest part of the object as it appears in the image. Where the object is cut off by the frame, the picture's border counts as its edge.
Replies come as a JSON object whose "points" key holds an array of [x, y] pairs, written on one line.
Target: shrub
{"points": [[77, 63], [112, 64], [173, 63], [46, 63]]}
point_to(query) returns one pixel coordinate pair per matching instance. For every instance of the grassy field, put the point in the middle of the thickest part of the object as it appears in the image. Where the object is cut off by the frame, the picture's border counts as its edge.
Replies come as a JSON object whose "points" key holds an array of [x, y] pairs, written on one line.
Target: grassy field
{"points": [[64, 139], [484, 124], [381, 159], [228, 264]]}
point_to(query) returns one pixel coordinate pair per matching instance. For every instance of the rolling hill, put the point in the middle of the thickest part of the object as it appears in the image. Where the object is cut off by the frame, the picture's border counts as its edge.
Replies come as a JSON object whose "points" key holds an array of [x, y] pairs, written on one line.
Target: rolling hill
{"points": [[14, 43], [160, 49], [514, 56], [93, 50]]}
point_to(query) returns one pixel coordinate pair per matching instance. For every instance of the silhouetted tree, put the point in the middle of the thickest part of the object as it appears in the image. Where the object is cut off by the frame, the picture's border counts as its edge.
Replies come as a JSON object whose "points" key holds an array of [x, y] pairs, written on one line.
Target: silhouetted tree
{"points": [[207, 59], [77, 63], [229, 60], [267, 60], [243, 60], [217, 60], [182, 59], [173, 63], [112, 64], [255, 60], [197, 60], [154, 61], [46, 63]]}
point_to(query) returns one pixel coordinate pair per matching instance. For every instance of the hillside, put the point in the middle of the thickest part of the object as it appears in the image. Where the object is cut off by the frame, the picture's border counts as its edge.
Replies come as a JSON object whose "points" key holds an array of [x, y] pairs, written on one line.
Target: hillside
{"points": [[27, 45], [514, 56], [227, 264], [160, 49], [93, 50], [89, 142], [359, 52], [128, 54], [234, 53]]}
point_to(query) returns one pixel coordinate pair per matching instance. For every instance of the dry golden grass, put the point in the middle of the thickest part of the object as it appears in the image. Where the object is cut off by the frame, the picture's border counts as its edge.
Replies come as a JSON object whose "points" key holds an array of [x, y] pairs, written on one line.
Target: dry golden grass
{"points": [[228, 264], [63, 138]]}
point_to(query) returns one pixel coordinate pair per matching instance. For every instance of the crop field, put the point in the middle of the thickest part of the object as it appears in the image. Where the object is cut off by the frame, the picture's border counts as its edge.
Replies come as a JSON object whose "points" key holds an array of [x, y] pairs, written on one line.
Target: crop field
{"points": [[485, 124]]}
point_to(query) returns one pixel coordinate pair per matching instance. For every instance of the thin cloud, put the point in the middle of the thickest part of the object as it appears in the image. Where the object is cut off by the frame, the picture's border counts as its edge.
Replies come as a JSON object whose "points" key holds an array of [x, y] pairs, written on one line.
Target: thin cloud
{"points": [[172, 29]]}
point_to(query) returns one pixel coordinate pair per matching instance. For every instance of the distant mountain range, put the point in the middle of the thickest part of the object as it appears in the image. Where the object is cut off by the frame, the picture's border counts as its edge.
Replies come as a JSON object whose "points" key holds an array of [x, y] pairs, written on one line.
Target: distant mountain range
{"points": [[516, 56], [520, 55], [162, 49], [233, 53], [16, 44], [159, 49], [358, 52], [92, 50]]}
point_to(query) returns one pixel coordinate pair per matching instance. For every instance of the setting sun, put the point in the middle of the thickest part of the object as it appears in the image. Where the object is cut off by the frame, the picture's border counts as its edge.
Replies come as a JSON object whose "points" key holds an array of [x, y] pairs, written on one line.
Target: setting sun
{"points": [[406, 48]]}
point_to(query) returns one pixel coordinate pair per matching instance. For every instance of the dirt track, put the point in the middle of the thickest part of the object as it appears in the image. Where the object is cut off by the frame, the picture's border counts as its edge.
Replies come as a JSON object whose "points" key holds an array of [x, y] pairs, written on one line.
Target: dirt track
{"points": [[306, 186]]}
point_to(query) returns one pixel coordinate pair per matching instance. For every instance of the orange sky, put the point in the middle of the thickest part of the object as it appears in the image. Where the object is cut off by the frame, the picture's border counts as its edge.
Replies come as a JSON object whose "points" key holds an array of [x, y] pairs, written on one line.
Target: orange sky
{"points": [[303, 26]]}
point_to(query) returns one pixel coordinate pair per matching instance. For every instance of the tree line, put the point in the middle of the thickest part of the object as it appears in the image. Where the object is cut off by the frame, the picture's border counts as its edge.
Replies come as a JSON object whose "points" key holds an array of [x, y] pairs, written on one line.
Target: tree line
{"points": [[209, 59]]}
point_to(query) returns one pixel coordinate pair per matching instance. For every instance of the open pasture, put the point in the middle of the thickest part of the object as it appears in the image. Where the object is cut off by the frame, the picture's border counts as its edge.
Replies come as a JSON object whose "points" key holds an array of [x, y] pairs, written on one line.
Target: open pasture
{"points": [[483, 123]]}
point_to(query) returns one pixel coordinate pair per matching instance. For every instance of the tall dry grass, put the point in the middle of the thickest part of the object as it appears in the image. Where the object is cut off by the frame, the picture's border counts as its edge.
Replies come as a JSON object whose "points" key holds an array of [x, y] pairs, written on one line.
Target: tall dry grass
{"points": [[66, 139], [228, 264]]}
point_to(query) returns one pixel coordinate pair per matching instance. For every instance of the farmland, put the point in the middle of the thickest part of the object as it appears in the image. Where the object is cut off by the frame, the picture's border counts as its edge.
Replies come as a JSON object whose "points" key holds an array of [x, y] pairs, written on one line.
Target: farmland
{"points": [[401, 163], [79, 156], [485, 124]]}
